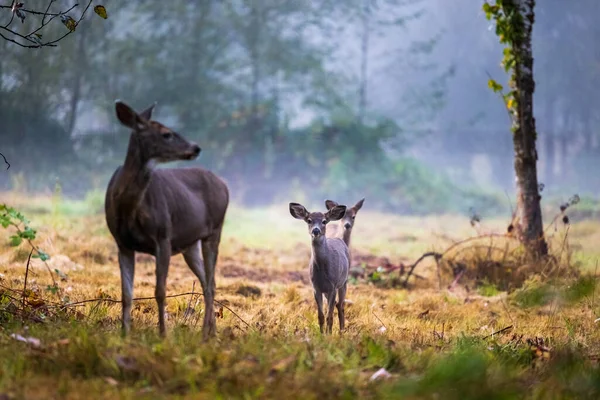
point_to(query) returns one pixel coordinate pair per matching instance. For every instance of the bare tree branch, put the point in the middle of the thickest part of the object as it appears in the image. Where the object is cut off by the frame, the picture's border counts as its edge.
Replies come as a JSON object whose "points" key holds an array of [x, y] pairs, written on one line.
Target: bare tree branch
{"points": [[33, 38], [5, 161]]}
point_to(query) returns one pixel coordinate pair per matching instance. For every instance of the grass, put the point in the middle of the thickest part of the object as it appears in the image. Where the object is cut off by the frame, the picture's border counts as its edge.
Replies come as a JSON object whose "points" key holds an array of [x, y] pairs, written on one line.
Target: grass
{"points": [[451, 344]]}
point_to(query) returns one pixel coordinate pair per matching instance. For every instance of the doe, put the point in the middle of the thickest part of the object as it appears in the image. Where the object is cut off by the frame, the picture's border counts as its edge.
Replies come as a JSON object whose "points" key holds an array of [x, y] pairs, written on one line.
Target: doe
{"points": [[164, 212], [347, 223], [329, 262]]}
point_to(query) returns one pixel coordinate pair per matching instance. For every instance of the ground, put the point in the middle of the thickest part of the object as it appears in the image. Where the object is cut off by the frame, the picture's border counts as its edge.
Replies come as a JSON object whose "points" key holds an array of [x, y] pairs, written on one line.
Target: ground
{"points": [[465, 342]]}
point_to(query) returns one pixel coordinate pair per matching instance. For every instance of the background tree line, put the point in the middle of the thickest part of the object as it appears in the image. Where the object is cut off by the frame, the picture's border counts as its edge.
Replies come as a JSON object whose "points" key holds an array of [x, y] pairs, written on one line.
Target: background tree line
{"points": [[385, 99]]}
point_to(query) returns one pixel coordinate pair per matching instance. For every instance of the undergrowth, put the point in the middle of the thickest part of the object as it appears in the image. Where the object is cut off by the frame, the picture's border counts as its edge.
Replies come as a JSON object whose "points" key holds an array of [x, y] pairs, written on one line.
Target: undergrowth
{"points": [[461, 334]]}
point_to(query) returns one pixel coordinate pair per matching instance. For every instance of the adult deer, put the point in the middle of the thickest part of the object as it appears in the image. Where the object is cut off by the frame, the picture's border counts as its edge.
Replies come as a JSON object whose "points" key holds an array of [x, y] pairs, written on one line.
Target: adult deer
{"points": [[164, 212]]}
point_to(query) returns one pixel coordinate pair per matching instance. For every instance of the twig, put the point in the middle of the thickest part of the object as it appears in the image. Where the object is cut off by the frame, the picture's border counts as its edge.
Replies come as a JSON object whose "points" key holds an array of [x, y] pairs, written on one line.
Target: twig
{"points": [[108, 300], [507, 312], [76, 23], [510, 118], [379, 319], [455, 281], [46, 12], [50, 20], [33, 11], [434, 254], [186, 313], [26, 275], [500, 331], [5, 161]]}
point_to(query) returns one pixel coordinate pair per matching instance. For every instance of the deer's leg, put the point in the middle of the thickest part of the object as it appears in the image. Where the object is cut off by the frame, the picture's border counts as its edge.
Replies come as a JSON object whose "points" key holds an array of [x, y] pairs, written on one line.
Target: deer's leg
{"points": [[340, 306], [127, 266], [210, 253], [163, 258], [319, 301], [194, 261], [330, 306]]}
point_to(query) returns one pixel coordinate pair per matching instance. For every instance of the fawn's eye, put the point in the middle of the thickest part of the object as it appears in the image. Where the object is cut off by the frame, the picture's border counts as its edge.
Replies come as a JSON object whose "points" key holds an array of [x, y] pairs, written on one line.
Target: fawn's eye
{"points": [[167, 135], [353, 217], [309, 221], [325, 222]]}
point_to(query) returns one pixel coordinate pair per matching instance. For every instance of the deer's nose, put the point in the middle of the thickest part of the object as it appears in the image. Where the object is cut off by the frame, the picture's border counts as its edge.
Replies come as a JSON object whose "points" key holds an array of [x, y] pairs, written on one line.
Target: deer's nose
{"points": [[347, 225], [196, 149], [316, 231]]}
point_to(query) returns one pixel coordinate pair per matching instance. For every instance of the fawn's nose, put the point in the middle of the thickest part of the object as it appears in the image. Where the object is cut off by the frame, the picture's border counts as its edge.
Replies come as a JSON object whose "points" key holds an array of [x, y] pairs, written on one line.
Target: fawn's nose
{"points": [[347, 225], [316, 231]]}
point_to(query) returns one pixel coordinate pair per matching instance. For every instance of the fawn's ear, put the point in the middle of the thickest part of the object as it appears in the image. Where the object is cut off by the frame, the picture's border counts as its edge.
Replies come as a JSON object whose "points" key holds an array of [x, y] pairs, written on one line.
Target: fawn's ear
{"points": [[298, 211], [330, 204], [128, 117], [358, 205], [147, 113], [336, 213]]}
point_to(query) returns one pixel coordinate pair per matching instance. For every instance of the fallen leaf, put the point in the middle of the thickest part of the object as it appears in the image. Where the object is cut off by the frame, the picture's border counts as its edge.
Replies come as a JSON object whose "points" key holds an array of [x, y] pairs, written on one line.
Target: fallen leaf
{"points": [[381, 373], [101, 11]]}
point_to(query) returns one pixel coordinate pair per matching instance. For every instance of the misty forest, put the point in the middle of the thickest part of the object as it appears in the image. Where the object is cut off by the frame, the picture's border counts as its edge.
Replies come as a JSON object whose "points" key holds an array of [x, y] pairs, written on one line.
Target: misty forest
{"points": [[299, 199]]}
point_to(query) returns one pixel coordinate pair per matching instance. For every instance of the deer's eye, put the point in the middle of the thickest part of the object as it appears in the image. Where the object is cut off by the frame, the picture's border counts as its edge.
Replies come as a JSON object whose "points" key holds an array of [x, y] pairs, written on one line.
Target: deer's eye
{"points": [[309, 221], [167, 136], [325, 222], [353, 217]]}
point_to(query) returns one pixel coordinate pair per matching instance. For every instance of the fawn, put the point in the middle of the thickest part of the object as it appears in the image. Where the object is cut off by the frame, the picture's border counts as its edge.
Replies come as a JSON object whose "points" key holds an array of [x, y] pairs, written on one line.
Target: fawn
{"points": [[347, 223], [329, 262], [164, 212]]}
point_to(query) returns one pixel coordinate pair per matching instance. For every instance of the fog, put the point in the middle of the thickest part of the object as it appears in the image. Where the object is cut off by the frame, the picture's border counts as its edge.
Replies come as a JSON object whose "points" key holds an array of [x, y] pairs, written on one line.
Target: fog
{"points": [[306, 100]]}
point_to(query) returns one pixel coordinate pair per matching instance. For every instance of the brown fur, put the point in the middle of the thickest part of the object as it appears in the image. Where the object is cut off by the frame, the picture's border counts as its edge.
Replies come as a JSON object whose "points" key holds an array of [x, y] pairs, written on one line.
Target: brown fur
{"points": [[164, 212]]}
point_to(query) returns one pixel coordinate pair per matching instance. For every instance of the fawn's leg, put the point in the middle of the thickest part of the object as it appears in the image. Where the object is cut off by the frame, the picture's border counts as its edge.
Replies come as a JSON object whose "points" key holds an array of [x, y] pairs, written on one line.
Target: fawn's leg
{"points": [[319, 301], [127, 266], [163, 258], [340, 305], [331, 307]]}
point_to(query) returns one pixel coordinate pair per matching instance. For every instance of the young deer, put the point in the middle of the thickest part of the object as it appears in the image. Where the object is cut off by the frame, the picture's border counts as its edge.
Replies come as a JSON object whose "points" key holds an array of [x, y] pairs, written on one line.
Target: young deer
{"points": [[164, 212], [347, 223], [329, 262]]}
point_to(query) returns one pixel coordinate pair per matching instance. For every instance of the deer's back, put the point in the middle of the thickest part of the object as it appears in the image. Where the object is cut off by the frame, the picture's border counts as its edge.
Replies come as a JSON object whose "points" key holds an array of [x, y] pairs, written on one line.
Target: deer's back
{"points": [[183, 205], [330, 264]]}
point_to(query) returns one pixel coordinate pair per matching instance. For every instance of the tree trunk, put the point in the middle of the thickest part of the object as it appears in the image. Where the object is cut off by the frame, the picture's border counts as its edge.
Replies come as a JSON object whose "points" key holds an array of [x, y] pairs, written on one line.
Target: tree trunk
{"points": [[364, 58], [528, 197], [80, 65]]}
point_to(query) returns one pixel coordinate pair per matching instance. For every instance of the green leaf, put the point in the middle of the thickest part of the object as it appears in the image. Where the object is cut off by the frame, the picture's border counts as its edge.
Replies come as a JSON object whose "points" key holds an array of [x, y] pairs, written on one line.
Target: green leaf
{"points": [[15, 240], [495, 86], [41, 255]]}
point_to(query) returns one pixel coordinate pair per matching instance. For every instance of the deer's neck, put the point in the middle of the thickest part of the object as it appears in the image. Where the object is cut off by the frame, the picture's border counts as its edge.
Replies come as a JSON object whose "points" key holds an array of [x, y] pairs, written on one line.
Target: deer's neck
{"points": [[134, 178], [346, 236], [319, 249]]}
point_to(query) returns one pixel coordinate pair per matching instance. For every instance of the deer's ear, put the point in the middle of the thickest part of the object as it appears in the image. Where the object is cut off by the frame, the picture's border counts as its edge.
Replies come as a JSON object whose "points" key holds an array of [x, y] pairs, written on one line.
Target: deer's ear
{"points": [[336, 213], [147, 113], [298, 211], [128, 117], [359, 205], [330, 204]]}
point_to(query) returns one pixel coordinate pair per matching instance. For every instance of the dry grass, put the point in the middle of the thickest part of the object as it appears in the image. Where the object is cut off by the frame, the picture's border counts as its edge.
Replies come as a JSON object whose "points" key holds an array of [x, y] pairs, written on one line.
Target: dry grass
{"points": [[431, 341]]}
